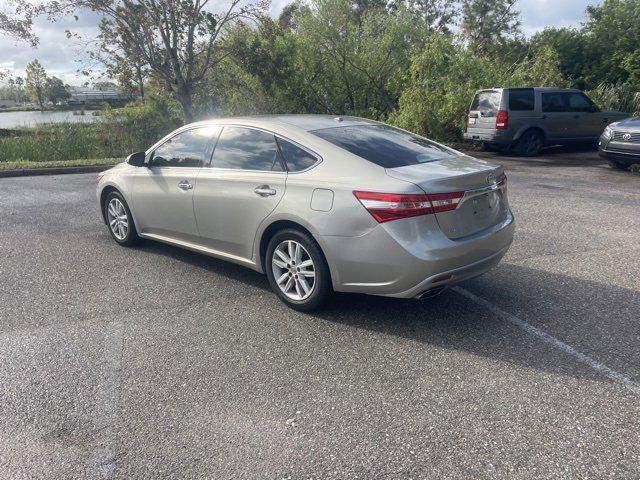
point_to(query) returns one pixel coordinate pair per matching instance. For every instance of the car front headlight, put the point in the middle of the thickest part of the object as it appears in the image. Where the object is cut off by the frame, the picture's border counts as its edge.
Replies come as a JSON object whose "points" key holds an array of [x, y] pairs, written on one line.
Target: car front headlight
{"points": [[607, 134]]}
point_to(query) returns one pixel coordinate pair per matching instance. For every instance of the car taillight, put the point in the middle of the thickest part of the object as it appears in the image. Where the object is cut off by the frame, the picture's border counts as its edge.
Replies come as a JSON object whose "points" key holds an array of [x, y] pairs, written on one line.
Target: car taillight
{"points": [[443, 202], [385, 207], [502, 120]]}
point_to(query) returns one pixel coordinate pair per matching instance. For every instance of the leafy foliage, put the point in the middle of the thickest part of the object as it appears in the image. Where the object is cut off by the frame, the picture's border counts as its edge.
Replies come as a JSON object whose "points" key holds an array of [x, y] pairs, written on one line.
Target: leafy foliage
{"points": [[36, 82], [443, 79]]}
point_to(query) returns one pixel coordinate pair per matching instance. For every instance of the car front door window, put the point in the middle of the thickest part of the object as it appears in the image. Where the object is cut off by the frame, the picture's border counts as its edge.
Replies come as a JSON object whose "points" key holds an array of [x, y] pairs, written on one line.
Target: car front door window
{"points": [[191, 148]]}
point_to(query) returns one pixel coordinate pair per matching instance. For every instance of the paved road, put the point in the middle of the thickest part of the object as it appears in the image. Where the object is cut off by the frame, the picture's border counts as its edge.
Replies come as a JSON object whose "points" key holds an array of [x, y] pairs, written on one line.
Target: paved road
{"points": [[158, 363]]}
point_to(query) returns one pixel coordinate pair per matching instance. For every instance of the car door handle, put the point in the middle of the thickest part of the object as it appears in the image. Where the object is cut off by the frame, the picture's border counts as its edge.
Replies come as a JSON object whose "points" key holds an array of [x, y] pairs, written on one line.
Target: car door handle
{"points": [[264, 191], [544, 117], [184, 185]]}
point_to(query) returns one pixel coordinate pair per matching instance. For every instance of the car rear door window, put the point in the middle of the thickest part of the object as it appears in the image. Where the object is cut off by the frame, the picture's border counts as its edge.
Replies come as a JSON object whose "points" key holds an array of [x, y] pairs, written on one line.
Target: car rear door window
{"points": [[521, 99], [554, 102], [191, 148], [487, 102], [296, 158], [386, 146], [242, 148]]}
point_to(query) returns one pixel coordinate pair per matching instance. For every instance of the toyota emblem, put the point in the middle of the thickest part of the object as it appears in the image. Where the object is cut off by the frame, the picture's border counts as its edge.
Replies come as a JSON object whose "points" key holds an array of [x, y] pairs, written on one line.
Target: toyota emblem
{"points": [[626, 137]]}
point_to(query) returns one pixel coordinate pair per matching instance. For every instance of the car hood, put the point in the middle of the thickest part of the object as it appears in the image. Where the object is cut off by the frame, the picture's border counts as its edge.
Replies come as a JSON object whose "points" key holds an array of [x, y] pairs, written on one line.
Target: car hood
{"points": [[629, 124]]}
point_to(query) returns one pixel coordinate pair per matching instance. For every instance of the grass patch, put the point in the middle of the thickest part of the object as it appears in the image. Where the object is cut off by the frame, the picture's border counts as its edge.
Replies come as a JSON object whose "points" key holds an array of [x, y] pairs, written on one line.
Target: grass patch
{"points": [[60, 142], [81, 162]]}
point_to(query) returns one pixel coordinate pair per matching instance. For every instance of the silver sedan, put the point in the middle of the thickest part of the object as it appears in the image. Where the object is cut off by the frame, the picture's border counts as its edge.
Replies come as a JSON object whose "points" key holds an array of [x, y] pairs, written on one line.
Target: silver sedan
{"points": [[317, 203]]}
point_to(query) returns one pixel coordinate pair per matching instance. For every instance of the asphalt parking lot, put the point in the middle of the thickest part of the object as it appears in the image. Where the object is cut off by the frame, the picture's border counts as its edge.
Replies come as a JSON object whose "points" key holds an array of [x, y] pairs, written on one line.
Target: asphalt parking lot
{"points": [[159, 363]]}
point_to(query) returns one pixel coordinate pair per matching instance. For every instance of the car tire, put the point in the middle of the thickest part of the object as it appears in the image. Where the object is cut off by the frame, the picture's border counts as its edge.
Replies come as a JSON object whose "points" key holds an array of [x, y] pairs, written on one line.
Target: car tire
{"points": [[292, 283], [618, 165], [119, 220], [530, 144]]}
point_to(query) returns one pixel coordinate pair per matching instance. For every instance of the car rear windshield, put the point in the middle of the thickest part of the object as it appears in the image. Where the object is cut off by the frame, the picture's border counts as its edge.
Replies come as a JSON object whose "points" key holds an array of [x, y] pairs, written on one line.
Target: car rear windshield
{"points": [[386, 146], [487, 103]]}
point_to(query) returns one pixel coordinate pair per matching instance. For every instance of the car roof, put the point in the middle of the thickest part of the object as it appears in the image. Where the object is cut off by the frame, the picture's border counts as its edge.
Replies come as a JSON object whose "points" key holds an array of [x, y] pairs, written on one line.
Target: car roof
{"points": [[303, 122], [542, 89]]}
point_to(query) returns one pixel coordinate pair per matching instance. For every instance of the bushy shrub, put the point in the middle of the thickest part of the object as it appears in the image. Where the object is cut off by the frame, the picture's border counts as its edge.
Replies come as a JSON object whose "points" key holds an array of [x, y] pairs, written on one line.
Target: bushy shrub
{"points": [[444, 76], [616, 97], [137, 126]]}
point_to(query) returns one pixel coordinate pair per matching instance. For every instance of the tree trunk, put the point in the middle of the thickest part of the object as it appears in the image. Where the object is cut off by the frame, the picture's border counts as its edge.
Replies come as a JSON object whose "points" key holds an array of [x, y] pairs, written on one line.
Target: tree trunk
{"points": [[140, 81], [184, 97]]}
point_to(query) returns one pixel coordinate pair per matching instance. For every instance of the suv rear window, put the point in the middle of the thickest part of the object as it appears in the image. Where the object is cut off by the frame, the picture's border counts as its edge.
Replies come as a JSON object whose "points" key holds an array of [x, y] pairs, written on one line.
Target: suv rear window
{"points": [[386, 146], [521, 99], [487, 103]]}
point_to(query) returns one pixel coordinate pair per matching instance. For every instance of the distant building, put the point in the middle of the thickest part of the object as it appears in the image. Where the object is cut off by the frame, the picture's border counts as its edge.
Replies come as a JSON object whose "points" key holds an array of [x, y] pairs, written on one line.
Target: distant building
{"points": [[7, 103], [87, 96]]}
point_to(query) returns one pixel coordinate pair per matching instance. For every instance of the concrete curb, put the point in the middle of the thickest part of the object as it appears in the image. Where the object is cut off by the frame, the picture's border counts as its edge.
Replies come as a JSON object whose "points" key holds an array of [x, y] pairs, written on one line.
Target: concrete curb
{"points": [[28, 172]]}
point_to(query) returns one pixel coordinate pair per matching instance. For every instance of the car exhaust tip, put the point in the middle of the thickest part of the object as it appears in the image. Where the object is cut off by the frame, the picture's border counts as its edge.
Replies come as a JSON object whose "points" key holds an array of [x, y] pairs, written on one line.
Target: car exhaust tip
{"points": [[431, 293]]}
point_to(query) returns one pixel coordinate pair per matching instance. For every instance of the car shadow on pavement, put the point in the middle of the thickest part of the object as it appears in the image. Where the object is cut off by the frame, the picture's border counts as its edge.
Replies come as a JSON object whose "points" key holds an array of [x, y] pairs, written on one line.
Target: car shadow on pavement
{"points": [[211, 264], [596, 319]]}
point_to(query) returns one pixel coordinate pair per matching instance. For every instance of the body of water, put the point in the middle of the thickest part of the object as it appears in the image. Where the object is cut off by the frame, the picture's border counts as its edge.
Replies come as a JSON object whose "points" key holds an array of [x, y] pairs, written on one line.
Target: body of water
{"points": [[29, 119]]}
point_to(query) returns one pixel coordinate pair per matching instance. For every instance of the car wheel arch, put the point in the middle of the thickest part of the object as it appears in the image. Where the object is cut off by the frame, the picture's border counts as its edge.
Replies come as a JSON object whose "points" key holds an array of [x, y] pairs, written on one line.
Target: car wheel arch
{"points": [[281, 224], [103, 197], [109, 188], [529, 128]]}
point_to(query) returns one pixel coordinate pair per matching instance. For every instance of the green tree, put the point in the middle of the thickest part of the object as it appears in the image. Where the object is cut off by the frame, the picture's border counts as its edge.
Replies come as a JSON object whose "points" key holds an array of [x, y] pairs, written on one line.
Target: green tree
{"points": [[55, 90], [487, 25], [16, 22], [104, 85], [179, 41], [435, 15], [351, 65], [444, 76], [36, 83], [570, 44], [612, 31]]}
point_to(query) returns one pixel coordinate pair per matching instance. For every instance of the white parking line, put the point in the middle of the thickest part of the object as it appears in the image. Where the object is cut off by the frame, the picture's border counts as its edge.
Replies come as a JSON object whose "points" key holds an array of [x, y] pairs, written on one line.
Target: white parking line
{"points": [[545, 337]]}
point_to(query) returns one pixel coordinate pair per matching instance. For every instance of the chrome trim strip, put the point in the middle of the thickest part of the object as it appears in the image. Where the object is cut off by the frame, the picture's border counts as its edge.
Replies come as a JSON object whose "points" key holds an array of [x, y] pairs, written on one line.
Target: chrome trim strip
{"points": [[469, 194]]}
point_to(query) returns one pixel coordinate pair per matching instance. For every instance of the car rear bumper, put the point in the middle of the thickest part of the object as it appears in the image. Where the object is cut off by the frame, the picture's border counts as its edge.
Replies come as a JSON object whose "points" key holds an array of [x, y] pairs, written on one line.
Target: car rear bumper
{"points": [[495, 136], [406, 258]]}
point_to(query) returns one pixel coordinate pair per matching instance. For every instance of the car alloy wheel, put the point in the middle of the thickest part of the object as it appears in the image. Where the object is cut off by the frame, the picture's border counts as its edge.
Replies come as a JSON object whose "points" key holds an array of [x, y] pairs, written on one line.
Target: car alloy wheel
{"points": [[118, 219], [293, 270]]}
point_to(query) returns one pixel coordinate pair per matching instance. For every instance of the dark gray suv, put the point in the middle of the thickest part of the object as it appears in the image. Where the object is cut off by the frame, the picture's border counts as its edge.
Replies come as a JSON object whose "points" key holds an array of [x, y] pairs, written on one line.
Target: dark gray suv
{"points": [[527, 119]]}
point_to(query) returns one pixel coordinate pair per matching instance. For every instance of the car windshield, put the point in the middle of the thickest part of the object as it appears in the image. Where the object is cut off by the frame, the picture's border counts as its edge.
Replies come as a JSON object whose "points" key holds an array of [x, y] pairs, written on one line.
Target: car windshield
{"points": [[386, 146]]}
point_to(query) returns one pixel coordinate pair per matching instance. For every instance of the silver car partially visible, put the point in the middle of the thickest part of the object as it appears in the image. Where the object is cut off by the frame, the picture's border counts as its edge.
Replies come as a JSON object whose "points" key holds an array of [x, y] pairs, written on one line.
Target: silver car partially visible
{"points": [[317, 203]]}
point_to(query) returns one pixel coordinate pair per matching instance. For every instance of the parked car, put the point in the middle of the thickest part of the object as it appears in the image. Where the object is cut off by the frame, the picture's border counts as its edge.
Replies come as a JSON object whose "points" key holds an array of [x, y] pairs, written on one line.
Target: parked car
{"points": [[620, 143], [317, 203], [527, 119]]}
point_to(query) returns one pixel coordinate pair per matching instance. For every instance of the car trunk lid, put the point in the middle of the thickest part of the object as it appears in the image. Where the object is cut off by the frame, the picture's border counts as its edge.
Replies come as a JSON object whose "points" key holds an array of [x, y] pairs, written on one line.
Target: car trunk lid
{"points": [[484, 203]]}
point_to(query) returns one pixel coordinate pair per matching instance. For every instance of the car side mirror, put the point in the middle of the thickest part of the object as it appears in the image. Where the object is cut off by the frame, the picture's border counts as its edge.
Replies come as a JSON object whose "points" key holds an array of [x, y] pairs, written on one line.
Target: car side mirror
{"points": [[136, 159], [594, 109]]}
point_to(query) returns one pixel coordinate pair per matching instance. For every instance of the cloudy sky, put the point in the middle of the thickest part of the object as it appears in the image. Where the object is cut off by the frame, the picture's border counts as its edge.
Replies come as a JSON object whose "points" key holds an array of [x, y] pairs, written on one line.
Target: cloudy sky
{"points": [[62, 57]]}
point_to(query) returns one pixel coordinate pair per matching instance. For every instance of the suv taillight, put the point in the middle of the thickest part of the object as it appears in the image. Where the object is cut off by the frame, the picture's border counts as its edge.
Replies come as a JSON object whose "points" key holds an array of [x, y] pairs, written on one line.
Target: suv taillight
{"points": [[385, 207], [502, 120]]}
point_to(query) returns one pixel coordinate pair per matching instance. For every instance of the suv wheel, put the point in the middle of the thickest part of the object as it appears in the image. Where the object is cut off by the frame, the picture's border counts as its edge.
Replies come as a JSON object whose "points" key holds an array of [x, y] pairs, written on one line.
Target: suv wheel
{"points": [[297, 270], [120, 220], [530, 143]]}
